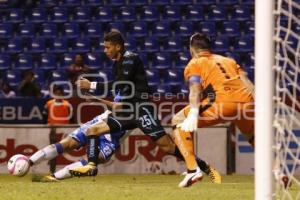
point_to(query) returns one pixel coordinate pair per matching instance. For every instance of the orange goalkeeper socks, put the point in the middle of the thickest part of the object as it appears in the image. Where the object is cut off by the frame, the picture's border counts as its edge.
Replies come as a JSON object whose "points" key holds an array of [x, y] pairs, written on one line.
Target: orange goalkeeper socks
{"points": [[184, 142]]}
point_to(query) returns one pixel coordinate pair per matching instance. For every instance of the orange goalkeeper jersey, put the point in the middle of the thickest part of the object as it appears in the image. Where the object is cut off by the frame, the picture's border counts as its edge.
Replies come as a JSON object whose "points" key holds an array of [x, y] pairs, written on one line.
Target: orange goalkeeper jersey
{"points": [[221, 74]]}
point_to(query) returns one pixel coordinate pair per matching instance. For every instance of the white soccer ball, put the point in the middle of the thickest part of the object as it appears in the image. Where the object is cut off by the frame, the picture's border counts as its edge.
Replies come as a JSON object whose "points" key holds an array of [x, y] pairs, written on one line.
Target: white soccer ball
{"points": [[18, 165]]}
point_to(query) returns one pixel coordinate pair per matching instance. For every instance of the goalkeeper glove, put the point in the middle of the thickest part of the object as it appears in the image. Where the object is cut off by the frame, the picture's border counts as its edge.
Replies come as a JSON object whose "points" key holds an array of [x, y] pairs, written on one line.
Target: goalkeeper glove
{"points": [[190, 124]]}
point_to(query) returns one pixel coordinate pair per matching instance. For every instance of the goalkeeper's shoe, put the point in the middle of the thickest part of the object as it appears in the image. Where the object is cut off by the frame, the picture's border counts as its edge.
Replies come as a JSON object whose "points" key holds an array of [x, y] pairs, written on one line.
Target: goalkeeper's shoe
{"points": [[87, 170], [214, 175], [191, 178]]}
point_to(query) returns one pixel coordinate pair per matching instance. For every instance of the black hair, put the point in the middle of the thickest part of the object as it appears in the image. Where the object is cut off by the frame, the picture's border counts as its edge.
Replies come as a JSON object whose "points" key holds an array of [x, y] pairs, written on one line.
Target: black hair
{"points": [[58, 88], [200, 41], [114, 37]]}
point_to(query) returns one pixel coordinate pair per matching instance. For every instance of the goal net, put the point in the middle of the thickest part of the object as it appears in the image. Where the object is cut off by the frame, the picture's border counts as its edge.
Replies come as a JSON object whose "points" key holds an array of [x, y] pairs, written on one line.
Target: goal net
{"points": [[287, 100]]}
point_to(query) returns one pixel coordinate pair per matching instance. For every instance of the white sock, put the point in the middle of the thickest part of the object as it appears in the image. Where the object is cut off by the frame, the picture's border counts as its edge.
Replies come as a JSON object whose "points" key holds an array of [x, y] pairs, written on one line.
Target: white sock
{"points": [[47, 153], [64, 172]]}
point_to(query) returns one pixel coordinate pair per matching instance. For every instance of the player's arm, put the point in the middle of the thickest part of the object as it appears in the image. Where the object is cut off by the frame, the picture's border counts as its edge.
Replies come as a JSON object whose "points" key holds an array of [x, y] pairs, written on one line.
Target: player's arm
{"points": [[246, 80], [86, 84], [110, 104], [191, 122]]}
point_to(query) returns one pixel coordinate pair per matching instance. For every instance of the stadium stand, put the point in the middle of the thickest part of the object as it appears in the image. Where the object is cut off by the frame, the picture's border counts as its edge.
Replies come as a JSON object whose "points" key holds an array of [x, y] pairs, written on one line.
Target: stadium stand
{"points": [[46, 36]]}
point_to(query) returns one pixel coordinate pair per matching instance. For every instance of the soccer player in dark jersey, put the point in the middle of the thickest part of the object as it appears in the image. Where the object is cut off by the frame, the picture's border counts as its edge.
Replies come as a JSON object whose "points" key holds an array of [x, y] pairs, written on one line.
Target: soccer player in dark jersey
{"points": [[133, 109]]}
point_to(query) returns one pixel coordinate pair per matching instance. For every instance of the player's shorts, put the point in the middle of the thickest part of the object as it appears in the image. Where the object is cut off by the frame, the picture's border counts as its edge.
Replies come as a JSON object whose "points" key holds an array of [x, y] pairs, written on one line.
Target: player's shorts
{"points": [[242, 114], [145, 119], [108, 143]]}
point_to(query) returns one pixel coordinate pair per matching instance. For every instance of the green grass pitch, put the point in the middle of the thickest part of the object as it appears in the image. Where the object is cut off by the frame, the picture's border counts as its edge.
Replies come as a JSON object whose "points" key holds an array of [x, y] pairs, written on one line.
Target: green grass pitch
{"points": [[131, 187]]}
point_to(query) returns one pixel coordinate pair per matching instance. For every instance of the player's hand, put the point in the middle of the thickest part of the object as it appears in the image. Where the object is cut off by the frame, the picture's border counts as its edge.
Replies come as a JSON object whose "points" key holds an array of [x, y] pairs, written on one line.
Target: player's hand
{"points": [[190, 124], [83, 83]]}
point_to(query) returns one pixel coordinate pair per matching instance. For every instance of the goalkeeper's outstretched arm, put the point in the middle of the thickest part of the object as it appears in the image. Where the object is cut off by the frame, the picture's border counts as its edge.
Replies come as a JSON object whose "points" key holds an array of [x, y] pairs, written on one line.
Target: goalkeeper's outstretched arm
{"points": [[246, 80]]}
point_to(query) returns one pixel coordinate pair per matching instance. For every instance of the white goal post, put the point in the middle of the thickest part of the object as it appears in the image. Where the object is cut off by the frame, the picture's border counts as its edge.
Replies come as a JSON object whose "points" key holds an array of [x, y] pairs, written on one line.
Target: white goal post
{"points": [[277, 99], [264, 61]]}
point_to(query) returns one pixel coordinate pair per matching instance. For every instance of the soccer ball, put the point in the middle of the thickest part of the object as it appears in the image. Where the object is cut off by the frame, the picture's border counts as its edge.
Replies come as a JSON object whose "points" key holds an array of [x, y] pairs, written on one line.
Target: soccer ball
{"points": [[18, 165]]}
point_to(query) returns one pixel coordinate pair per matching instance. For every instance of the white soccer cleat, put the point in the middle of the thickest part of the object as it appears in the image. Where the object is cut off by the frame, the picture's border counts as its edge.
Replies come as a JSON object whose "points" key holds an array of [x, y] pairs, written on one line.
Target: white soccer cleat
{"points": [[191, 178]]}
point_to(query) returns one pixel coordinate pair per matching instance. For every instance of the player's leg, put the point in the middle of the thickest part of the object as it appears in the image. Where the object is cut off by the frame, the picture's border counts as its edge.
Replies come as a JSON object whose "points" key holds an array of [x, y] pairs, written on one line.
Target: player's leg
{"points": [[107, 149], [245, 123], [108, 125], [51, 151], [184, 141]]}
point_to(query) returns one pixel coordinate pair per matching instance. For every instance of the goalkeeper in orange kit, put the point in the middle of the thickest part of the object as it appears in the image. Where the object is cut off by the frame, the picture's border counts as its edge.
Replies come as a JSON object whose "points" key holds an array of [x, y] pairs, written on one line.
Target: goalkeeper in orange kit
{"points": [[219, 92]]}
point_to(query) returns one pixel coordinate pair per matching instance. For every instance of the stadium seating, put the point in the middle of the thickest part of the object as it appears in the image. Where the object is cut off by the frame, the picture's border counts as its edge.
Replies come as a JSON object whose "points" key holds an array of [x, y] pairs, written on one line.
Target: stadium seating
{"points": [[93, 2], [104, 14], [130, 44], [48, 3], [163, 89], [173, 44], [182, 60], [5, 62], [221, 44], [184, 89], [184, 28], [49, 30], [174, 77], [127, 14], [139, 29], [37, 45], [149, 13], [249, 28], [118, 26], [39, 76], [144, 58], [150, 44], [162, 61], [93, 30], [58, 75], [6, 30], [52, 32], [81, 45], [47, 61], [93, 61], [24, 62], [172, 13], [217, 13], [247, 2], [161, 2], [234, 56], [231, 28], [241, 13], [195, 13], [14, 45], [106, 74], [205, 2], [182, 3], [71, 3], [228, 2], [116, 2], [13, 77], [82, 14], [161, 29], [137, 2], [71, 30], [208, 28], [244, 44], [59, 15], [58, 45], [15, 15], [37, 15], [26, 30], [66, 60], [153, 76]]}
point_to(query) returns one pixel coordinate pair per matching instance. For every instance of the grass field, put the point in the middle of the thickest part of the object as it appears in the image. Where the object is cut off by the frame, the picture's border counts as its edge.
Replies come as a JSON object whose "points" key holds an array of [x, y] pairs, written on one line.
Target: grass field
{"points": [[131, 187]]}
